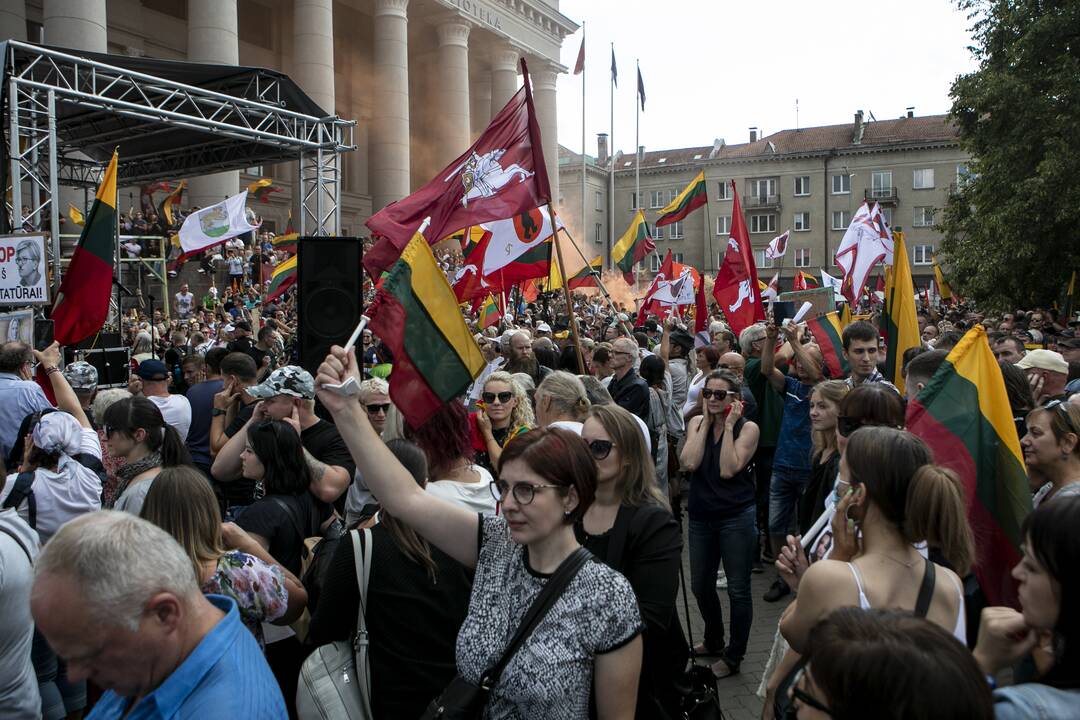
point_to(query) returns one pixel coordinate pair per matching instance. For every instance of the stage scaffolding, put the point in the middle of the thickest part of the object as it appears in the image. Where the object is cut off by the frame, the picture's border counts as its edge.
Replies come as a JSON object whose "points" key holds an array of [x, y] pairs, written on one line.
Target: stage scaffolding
{"points": [[66, 111]]}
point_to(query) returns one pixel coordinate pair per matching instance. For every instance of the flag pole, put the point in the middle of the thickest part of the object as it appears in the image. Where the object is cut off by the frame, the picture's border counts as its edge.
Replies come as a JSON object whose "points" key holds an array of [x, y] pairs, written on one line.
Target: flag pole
{"points": [[599, 281], [708, 225], [637, 138], [566, 290], [584, 192], [611, 172]]}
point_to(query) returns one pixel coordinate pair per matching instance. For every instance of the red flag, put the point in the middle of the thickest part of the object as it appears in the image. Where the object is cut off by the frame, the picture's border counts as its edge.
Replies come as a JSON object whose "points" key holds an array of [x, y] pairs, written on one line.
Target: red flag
{"points": [[701, 308], [736, 288], [800, 282], [529, 291], [502, 175], [667, 272], [579, 66]]}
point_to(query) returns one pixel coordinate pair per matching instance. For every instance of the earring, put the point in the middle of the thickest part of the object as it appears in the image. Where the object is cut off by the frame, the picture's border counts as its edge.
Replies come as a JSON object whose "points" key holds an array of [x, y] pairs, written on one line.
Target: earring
{"points": [[566, 513]]}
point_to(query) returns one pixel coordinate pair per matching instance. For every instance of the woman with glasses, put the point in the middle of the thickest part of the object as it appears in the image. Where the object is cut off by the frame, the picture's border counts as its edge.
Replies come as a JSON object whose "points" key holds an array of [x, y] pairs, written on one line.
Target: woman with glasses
{"points": [[505, 413], [136, 431], [630, 527], [589, 639], [1052, 451], [722, 508]]}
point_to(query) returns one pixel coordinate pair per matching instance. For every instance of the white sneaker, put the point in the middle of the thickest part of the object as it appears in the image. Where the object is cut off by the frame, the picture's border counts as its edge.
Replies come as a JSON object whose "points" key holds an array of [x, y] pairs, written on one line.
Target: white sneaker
{"points": [[721, 580]]}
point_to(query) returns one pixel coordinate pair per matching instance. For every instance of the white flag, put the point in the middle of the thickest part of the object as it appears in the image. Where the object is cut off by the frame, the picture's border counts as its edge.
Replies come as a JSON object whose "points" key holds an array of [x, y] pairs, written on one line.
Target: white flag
{"points": [[867, 242], [777, 246], [513, 237], [835, 283], [676, 292], [215, 224], [772, 291]]}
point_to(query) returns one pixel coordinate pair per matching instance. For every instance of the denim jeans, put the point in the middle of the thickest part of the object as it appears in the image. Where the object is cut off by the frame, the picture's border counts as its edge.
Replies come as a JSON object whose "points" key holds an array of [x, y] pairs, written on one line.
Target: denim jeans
{"points": [[785, 489], [733, 541]]}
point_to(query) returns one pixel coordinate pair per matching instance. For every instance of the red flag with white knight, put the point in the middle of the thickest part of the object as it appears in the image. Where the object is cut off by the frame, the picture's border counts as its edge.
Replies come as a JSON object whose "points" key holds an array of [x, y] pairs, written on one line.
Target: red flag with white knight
{"points": [[736, 288], [502, 175]]}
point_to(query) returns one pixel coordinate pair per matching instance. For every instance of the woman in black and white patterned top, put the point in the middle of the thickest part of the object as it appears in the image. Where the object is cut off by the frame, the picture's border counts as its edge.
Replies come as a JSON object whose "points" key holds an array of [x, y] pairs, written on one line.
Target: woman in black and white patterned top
{"points": [[547, 479]]}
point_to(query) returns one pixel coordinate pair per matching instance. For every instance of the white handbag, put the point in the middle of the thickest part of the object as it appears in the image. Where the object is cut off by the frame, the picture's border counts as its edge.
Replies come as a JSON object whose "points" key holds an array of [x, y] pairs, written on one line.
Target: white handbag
{"points": [[335, 680]]}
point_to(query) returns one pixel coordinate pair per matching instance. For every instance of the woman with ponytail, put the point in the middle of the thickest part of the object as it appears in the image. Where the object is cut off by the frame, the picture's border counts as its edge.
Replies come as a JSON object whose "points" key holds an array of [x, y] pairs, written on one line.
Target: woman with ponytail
{"points": [[136, 431], [895, 499]]}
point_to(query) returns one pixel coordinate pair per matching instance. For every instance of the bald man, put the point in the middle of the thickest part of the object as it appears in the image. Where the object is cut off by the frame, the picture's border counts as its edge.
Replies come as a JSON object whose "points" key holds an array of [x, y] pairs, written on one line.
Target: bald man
{"points": [[736, 363]]}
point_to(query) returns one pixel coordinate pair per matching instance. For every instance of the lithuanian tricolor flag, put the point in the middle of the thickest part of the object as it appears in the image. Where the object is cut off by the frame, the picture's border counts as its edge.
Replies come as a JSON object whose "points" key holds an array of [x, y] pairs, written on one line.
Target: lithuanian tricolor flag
{"points": [[171, 199], [900, 318], [963, 414], [415, 314], [586, 276], [282, 279], [690, 199], [261, 189], [805, 281], [289, 240], [635, 245], [489, 312], [943, 287], [83, 300], [827, 332]]}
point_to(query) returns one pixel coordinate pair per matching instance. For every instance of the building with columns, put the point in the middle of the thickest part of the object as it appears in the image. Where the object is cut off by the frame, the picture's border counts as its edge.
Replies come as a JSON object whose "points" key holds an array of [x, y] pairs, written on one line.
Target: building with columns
{"points": [[422, 78], [809, 181]]}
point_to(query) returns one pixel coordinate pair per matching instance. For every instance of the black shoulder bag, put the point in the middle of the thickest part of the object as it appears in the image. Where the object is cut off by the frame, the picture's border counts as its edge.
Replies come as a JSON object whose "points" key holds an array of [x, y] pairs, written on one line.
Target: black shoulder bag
{"points": [[464, 700], [783, 709]]}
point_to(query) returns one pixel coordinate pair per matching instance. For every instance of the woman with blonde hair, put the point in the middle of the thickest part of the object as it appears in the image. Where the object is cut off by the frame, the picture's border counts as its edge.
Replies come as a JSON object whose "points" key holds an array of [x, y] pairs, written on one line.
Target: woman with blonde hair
{"points": [[505, 413], [630, 528], [825, 401], [182, 503], [561, 401]]}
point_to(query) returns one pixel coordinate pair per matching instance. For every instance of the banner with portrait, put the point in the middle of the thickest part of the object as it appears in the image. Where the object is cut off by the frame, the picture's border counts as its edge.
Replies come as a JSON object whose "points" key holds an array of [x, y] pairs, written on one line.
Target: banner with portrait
{"points": [[24, 279]]}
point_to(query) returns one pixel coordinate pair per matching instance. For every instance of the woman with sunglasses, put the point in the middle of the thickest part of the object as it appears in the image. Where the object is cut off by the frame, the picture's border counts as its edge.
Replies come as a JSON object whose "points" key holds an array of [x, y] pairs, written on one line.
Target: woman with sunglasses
{"points": [[136, 431], [719, 446], [589, 640], [505, 414], [630, 527], [1046, 628], [1052, 451]]}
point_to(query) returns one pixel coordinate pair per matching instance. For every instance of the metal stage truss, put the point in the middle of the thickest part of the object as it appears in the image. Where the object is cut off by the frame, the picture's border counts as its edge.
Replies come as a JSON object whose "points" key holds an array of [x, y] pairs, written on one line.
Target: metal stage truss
{"points": [[66, 112]]}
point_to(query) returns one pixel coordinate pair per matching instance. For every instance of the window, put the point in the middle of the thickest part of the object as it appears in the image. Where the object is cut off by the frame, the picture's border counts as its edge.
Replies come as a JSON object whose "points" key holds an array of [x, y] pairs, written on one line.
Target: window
{"points": [[924, 216], [802, 257], [802, 222], [598, 233], [723, 190], [762, 223], [840, 219], [633, 201], [656, 199], [672, 194], [886, 215], [923, 254], [802, 185], [924, 179], [763, 188], [723, 225], [763, 260], [658, 232], [654, 262], [841, 184], [881, 183], [676, 230], [599, 201], [677, 257]]}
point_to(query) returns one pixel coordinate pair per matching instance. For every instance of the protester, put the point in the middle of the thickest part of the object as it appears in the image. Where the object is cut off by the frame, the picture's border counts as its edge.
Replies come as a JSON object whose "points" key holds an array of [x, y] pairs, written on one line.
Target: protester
{"points": [[19, 696], [653, 372], [1047, 372], [517, 348], [861, 350], [417, 599], [719, 446], [825, 401], [83, 379], [453, 473], [118, 600], [562, 402], [1009, 349], [136, 431], [151, 380], [374, 395], [707, 360], [627, 388], [547, 482], [200, 396], [19, 395], [1051, 450], [506, 413]]}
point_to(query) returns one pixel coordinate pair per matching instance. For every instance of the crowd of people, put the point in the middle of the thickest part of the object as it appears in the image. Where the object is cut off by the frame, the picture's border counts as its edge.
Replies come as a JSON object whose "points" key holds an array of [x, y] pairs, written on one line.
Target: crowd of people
{"points": [[183, 544]]}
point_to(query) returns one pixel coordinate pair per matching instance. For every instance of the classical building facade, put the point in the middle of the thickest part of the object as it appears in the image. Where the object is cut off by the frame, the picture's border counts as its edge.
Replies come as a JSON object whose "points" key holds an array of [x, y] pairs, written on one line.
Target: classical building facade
{"points": [[809, 181], [422, 78]]}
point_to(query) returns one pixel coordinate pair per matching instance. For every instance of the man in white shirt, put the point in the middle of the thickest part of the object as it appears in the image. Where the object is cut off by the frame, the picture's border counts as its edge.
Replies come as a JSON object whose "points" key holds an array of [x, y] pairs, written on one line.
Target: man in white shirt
{"points": [[152, 381], [185, 301]]}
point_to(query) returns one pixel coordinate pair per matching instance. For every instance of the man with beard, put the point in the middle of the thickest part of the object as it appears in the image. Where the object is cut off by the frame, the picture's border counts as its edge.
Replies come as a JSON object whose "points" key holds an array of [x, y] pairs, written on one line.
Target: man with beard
{"points": [[520, 358]]}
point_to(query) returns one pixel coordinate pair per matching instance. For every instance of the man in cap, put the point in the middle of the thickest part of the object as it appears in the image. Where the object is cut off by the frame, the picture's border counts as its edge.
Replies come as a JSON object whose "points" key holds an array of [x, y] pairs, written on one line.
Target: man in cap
{"points": [[288, 394], [19, 394], [151, 380], [1047, 373], [83, 379]]}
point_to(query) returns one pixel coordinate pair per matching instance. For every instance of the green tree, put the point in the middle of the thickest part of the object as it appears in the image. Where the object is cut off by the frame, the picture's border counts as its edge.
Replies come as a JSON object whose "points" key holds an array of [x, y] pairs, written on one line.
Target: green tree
{"points": [[1012, 228]]}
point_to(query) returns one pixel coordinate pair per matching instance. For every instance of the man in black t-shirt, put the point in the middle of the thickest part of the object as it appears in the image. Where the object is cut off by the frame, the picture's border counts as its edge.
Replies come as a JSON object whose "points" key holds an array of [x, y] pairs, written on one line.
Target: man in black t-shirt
{"points": [[288, 394]]}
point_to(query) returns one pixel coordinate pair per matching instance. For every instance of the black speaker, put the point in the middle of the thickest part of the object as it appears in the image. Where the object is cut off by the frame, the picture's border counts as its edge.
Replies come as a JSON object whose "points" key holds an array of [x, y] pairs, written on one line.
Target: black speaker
{"points": [[329, 295]]}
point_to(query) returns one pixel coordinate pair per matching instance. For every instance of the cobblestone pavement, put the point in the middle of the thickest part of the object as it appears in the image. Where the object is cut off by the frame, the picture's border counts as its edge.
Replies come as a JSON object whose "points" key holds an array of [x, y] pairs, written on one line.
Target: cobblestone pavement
{"points": [[738, 693]]}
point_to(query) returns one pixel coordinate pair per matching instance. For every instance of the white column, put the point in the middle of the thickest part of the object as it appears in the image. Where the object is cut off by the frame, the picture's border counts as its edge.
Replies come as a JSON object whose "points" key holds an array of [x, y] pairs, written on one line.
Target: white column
{"points": [[480, 101], [78, 24], [313, 51], [13, 20], [453, 131], [504, 78], [212, 38], [389, 136], [543, 79]]}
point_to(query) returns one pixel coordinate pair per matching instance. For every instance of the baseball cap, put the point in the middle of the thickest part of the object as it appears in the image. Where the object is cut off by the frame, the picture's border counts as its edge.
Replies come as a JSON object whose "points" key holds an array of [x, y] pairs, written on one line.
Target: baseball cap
{"points": [[152, 369], [682, 339], [289, 380], [81, 375], [1044, 360], [543, 327]]}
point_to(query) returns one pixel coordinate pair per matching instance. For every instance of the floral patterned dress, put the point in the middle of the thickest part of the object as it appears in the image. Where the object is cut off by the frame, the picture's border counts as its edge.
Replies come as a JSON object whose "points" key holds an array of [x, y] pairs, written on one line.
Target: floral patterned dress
{"points": [[257, 587]]}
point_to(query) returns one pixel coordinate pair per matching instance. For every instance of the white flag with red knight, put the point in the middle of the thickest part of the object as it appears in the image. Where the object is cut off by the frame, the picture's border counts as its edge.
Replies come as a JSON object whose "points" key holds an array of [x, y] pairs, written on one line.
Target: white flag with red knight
{"points": [[867, 242]]}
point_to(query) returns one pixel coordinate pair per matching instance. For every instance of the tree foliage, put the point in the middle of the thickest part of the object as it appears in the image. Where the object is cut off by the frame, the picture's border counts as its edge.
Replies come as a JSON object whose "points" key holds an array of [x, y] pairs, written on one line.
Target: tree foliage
{"points": [[1012, 228]]}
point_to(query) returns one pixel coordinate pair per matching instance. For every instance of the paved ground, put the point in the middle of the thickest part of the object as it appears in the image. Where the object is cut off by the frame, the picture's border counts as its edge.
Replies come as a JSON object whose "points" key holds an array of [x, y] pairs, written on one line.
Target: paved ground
{"points": [[738, 694]]}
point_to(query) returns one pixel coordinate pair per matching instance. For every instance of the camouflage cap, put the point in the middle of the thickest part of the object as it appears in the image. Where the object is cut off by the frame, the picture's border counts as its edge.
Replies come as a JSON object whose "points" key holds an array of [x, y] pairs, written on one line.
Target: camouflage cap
{"points": [[289, 380], [81, 375]]}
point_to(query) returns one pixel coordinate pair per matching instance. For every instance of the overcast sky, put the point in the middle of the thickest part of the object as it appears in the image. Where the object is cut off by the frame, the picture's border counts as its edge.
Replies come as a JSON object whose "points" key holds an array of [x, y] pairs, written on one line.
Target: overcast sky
{"points": [[715, 69]]}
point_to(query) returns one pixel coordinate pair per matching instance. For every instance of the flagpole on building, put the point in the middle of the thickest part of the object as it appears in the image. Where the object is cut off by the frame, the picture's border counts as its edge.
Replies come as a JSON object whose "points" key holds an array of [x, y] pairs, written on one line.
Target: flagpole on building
{"points": [[708, 228], [611, 160], [637, 138], [599, 281], [566, 290], [584, 228]]}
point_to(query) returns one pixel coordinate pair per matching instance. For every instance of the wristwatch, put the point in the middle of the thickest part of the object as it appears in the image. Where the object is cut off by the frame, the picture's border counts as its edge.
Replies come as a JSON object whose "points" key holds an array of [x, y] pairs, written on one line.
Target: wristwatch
{"points": [[217, 411]]}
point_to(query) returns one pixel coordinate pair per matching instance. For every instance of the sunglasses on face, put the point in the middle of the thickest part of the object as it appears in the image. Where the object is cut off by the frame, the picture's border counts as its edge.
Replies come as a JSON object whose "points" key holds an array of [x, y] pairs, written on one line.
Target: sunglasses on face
{"points": [[1059, 405], [503, 397], [524, 493], [374, 408], [600, 449], [718, 394]]}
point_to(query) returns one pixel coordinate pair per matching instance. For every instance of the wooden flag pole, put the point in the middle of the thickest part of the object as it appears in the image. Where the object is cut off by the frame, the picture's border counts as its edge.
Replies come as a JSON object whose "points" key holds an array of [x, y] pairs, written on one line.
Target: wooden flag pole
{"points": [[566, 290], [599, 283]]}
